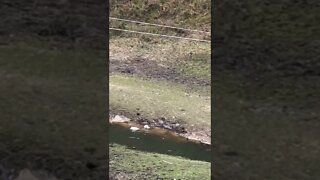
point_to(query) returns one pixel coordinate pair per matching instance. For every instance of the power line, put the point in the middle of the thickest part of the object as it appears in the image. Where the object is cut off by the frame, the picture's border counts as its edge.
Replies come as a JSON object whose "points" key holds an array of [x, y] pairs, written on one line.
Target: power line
{"points": [[159, 25], [153, 34]]}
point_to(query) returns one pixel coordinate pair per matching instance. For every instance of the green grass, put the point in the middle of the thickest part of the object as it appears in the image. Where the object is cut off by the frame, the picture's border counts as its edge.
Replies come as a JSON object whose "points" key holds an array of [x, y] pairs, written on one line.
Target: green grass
{"points": [[189, 58], [143, 165], [197, 65], [159, 99]]}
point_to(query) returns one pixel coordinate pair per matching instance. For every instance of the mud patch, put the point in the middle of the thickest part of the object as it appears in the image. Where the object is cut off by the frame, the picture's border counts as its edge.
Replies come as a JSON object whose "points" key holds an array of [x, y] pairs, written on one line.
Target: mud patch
{"points": [[150, 69]]}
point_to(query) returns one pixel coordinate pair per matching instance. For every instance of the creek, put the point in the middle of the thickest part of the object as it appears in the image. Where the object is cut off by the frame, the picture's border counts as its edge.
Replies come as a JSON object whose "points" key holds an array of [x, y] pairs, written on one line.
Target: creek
{"points": [[158, 140]]}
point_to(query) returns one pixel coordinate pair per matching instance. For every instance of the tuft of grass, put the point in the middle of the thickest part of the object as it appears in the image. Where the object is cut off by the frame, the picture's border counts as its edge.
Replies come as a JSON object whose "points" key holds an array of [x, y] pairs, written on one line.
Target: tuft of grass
{"points": [[144, 165]]}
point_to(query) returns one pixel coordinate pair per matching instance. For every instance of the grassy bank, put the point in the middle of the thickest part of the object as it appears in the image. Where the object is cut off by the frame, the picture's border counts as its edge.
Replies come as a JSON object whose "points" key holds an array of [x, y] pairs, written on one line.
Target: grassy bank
{"points": [[160, 99], [130, 164]]}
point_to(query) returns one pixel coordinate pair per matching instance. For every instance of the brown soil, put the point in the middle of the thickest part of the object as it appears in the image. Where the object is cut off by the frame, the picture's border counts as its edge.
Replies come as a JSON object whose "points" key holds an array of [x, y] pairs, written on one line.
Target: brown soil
{"points": [[150, 69]]}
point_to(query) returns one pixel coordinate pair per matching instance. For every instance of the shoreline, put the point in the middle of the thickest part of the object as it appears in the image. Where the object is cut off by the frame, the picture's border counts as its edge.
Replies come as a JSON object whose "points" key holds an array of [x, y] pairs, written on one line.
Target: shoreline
{"points": [[191, 134]]}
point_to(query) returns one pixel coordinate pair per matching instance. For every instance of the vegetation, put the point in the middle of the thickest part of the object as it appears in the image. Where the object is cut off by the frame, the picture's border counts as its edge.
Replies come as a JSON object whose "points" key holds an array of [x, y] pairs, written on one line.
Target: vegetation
{"points": [[189, 14], [159, 99], [161, 78], [131, 164]]}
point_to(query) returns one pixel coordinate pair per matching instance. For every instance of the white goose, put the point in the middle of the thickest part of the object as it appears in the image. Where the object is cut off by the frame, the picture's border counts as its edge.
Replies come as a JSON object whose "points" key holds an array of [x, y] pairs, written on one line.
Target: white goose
{"points": [[133, 129], [146, 127]]}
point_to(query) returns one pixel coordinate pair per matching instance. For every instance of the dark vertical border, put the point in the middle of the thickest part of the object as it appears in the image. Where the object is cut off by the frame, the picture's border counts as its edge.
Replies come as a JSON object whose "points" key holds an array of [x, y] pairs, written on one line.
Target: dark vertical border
{"points": [[107, 77], [213, 25]]}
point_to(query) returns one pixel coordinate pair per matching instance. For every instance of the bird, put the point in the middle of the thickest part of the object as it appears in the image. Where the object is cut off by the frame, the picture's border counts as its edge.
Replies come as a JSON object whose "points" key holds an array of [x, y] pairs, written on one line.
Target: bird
{"points": [[134, 129], [146, 127]]}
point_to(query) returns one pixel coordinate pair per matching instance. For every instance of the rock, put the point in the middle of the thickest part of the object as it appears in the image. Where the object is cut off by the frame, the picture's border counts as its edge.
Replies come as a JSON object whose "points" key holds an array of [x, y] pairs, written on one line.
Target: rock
{"points": [[167, 127], [181, 129], [134, 129], [146, 127], [120, 119]]}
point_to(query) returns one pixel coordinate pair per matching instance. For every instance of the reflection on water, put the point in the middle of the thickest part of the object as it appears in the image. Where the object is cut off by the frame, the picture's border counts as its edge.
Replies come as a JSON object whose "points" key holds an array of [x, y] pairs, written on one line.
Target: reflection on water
{"points": [[159, 141]]}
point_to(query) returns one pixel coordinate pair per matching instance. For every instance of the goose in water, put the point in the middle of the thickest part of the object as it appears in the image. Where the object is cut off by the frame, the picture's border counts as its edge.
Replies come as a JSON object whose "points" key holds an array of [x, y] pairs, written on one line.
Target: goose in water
{"points": [[146, 127], [134, 129]]}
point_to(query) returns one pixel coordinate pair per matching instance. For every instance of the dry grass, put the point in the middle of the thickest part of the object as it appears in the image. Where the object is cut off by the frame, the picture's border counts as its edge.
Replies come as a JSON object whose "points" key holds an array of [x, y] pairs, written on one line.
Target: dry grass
{"points": [[189, 14]]}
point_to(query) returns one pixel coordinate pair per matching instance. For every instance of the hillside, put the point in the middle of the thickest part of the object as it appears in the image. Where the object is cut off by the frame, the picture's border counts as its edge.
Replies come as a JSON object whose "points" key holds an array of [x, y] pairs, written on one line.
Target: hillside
{"points": [[160, 81]]}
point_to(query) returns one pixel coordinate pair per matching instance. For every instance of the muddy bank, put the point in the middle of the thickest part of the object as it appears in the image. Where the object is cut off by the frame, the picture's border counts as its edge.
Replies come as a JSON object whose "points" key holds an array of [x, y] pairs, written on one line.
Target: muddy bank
{"points": [[150, 69], [190, 132]]}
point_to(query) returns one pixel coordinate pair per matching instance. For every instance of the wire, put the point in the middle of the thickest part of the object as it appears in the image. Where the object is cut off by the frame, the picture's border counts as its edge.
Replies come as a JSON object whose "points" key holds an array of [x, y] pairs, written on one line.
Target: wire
{"points": [[153, 34], [159, 25]]}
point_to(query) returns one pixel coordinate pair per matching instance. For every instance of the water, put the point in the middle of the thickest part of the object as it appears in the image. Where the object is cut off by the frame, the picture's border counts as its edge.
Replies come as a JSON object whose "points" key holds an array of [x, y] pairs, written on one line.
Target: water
{"points": [[159, 141]]}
